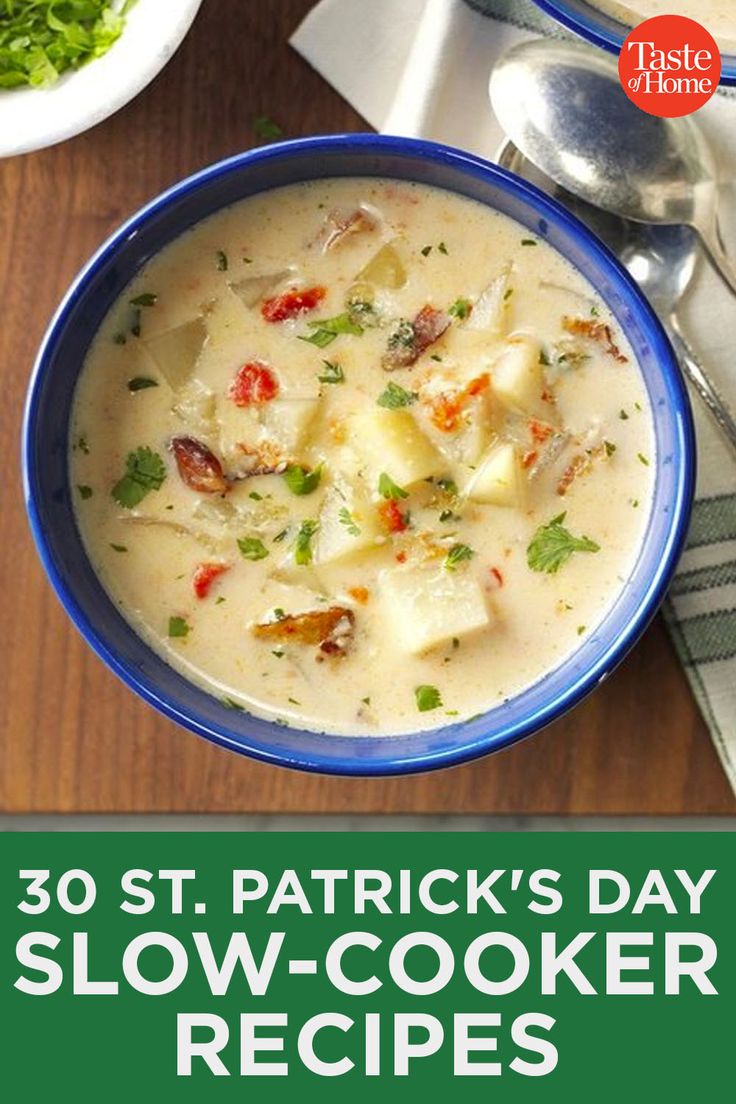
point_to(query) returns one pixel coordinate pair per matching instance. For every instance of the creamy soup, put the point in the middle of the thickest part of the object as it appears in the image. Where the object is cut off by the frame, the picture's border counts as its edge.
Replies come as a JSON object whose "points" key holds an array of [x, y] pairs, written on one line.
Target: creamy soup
{"points": [[361, 456], [718, 16]]}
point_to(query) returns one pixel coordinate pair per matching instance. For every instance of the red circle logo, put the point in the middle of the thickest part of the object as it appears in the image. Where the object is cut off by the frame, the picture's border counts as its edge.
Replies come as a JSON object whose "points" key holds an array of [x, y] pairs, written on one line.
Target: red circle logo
{"points": [[669, 66]]}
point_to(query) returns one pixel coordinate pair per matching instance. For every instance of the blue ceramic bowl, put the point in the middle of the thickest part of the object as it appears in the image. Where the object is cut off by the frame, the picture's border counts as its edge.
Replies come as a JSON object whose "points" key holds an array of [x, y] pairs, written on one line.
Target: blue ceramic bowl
{"points": [[46, 432], [606, 31]]}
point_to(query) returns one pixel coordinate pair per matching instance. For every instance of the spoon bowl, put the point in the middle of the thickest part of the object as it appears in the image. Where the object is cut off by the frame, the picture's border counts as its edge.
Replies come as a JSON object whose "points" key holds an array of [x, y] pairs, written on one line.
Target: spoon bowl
{"points": [[661, 258], [644, 168]]}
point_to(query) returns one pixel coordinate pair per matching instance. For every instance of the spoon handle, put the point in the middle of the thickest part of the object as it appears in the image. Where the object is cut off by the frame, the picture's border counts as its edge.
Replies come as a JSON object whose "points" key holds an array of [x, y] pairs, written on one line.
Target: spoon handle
{"points": [[717, 255], [702, 382]]}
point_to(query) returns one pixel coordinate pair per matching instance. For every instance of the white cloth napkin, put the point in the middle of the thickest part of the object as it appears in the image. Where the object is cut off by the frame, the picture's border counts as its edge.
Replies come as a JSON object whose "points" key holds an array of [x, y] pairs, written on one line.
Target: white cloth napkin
{"points": [[421, 67]]}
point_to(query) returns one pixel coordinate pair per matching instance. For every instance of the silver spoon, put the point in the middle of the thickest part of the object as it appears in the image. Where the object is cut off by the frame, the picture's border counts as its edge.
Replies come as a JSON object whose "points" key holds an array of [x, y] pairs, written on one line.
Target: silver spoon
{"points": [[562, 105], [662, 260]]}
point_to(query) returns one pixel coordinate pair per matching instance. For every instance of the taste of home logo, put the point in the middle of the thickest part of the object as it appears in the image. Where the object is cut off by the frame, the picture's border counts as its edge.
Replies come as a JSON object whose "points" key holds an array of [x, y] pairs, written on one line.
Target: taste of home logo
{"points": [[669, 66]]}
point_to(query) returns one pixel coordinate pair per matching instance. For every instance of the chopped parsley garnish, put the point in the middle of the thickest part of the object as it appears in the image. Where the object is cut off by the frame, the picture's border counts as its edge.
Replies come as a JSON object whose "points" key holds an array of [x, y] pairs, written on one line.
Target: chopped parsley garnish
{"points": [[637, 406], [457, 554], [119, 338], [256, 496], [84, 490], [279, 614], [302, 481], [623, 415], [396, 396], [280, 536], [118, 548], [507, 294], [366, 701], [346, 518], [221, 260], [581, 630], [140, 383], [278, 652], [327, 329], [442, 248], [41, 40], [388, 489], [252, 548], [609, 447], [427, 697], [333, 373], [403, 337], [302, 545], [426, 250], [178, 626], [144, 471], [544, 358], [83, 446], [552, 546], [449, 486], [461, 309], [529, 241], [145, 299], [447, 515], [643, 459], [266, 128], [219, 600]]}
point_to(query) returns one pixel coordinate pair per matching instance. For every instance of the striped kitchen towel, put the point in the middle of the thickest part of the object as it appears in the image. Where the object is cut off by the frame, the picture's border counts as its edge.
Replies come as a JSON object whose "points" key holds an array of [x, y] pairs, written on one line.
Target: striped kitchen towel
{"points": [[421, 67]]}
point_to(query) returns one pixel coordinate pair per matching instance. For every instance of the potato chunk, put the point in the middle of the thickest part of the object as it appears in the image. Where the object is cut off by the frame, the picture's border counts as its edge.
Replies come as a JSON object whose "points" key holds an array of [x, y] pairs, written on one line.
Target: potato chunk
{"points": [[348, 525], [517, 375], [498, 479], [287, 421], [391, 441], [177, 351], [429, 607]]}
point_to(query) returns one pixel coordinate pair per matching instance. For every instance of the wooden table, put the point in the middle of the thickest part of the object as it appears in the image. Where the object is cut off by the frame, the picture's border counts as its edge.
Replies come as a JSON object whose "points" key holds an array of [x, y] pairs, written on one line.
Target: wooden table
{"points": [[73, 738]]}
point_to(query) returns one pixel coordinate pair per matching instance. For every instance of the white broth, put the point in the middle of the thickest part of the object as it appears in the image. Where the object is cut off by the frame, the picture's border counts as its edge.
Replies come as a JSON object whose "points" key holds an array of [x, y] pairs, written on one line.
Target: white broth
{"points": [[322, 444], [717, 16]]}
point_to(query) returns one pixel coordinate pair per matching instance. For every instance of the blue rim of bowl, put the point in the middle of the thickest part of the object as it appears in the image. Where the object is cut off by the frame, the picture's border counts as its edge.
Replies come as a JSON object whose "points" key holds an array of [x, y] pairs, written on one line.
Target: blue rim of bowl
{"points": [[476, 742], [604, 30]]}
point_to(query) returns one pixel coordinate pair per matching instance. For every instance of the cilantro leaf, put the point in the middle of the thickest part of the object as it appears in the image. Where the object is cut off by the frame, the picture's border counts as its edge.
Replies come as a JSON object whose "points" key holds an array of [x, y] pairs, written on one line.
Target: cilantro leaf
{"points": [[302, 545], [461, 309], [266, 128], [140, 383], [346, 518], [552, 546], [41, 40], [457, 554], [396, 396], [178, 627], [144, 471], [145, 299], [84, 491], [427, 697], [327, 329], [302, 481], [388, 489], [251, 548], [333, 373]]}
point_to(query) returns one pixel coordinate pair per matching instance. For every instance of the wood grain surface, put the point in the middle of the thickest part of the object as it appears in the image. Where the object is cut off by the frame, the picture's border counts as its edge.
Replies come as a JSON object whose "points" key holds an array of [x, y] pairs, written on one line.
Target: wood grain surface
{"points": [[73, 738]]}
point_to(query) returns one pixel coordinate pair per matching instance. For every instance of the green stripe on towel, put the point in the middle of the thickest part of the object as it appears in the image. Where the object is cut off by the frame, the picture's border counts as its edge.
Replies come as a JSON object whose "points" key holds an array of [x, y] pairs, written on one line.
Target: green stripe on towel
{"points": [[704, 578], [710, 637], [713, 521]]}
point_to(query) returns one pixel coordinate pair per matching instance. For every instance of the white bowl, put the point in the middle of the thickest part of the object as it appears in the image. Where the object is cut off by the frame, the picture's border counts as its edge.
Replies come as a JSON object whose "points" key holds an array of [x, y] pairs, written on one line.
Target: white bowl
{"points": [[31, 118]]}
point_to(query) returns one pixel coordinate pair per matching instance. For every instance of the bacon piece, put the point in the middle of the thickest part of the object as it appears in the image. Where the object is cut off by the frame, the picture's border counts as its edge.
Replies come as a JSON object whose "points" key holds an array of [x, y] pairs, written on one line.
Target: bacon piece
{"points": [[292, 303], [529, 458], [392, 517], [254, 384], [198, 466], [577, 466], [330, 630], [205, 575], [410, 339], [595, 331], [339, 225], [447, 408]]}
